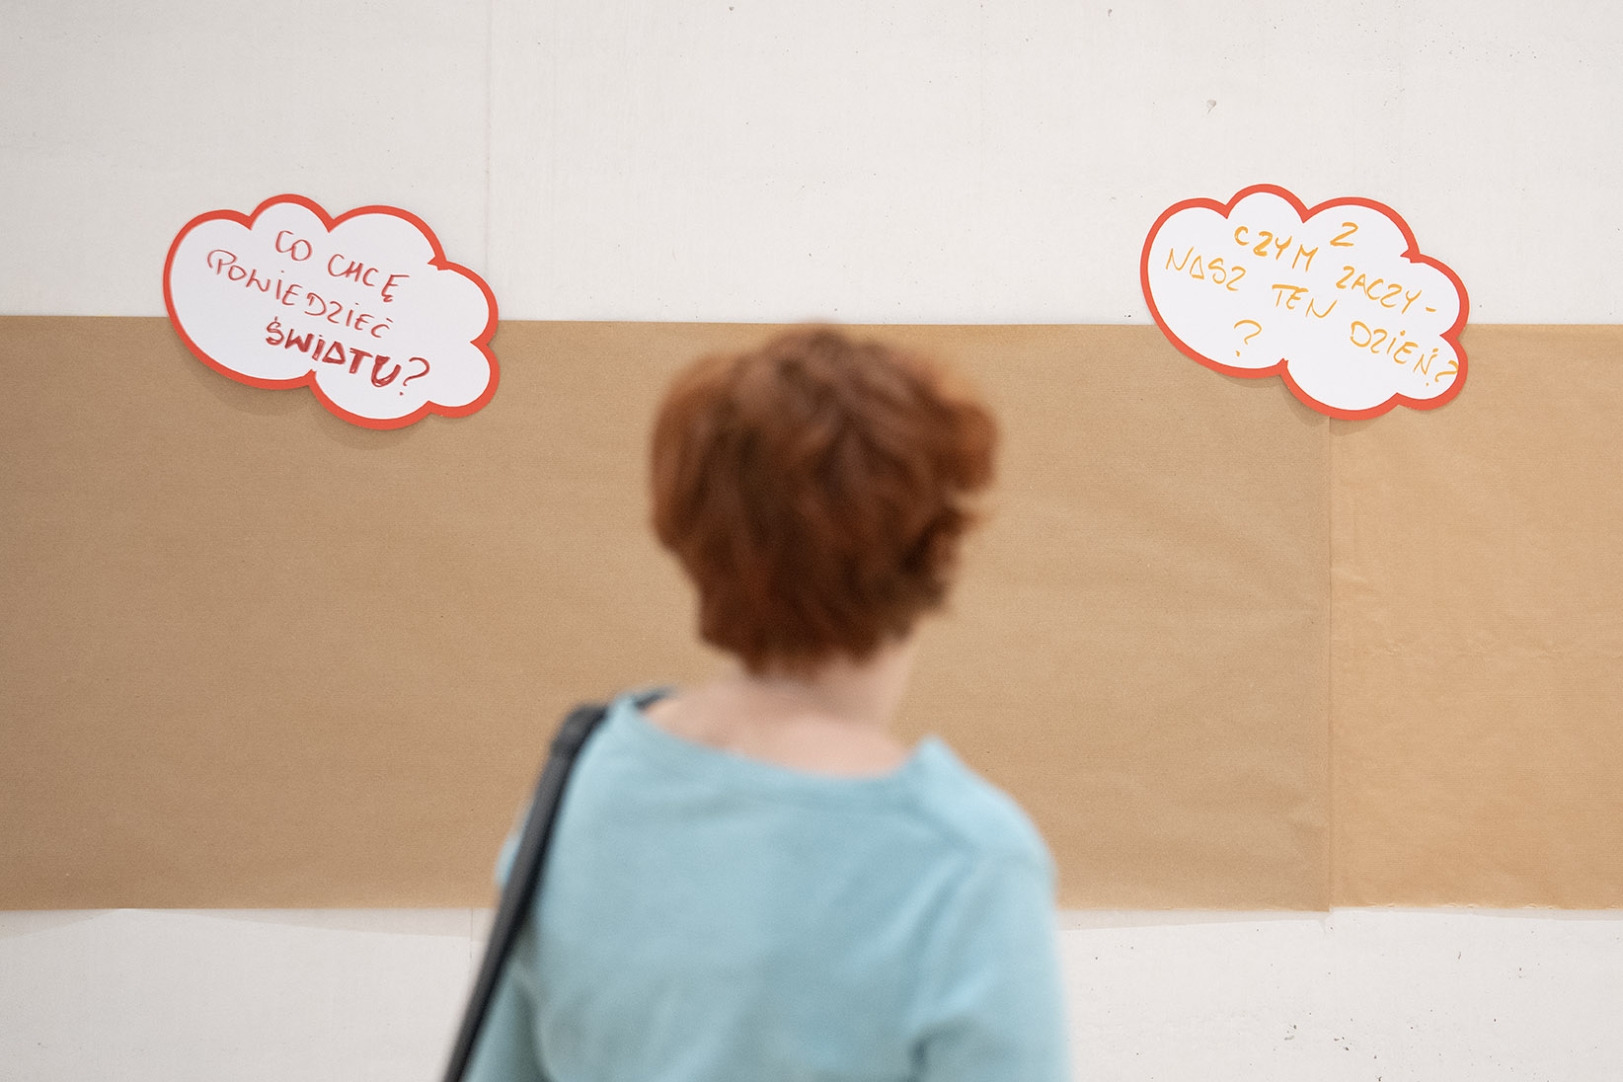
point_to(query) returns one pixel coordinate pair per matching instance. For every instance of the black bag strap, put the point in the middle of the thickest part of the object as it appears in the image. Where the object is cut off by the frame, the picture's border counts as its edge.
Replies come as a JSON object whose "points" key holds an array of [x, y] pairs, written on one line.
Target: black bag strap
{"points": [[525, 875]]}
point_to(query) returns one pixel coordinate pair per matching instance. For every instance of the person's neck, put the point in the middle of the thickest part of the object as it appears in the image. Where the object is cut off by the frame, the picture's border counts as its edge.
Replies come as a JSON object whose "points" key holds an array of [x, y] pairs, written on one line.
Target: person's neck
{"points": [[862, 693], [832, 720]]}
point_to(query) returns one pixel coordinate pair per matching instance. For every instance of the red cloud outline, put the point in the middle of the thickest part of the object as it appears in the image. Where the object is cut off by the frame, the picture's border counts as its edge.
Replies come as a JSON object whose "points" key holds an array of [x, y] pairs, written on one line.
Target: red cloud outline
{"points": [[1282, 368], [309, 378]]}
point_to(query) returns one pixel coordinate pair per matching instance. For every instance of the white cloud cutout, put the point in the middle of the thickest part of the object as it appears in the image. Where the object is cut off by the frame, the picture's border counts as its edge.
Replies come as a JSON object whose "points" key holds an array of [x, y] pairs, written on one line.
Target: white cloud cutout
{"points": [[1337, 300], [364, 309]]}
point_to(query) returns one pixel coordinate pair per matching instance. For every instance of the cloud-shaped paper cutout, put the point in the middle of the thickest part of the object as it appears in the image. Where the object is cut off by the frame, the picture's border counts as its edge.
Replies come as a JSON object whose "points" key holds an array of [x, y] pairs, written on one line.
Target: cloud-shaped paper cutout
{"points": [[1337, 299], [364, 309]]}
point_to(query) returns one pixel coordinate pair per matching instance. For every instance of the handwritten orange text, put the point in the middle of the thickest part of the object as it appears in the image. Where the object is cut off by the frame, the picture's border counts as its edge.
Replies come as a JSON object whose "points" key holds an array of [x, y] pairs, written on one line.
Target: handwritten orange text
{"points": [[1270, 245], [1213, 270], [1372, 288]]}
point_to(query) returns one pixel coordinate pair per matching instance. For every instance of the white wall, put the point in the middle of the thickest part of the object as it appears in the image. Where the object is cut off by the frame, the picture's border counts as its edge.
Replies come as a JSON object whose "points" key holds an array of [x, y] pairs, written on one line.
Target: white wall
{"points": [[923, 162], [941, 161], [1354, 996]]}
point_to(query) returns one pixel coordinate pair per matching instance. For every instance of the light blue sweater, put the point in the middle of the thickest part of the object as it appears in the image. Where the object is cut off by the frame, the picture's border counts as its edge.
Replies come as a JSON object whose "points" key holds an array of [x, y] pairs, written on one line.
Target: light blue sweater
{"points": [[706, 917]]}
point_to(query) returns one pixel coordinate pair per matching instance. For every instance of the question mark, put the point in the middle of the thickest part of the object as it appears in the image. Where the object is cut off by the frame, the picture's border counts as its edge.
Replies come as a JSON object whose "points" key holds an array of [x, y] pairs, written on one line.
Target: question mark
{"points": [[414, 375], [1248, 337]]}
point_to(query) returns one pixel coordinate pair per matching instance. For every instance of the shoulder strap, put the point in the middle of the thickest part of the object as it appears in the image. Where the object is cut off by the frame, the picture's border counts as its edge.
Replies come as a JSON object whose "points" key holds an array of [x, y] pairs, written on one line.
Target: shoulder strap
{"points": [[525, 875]]}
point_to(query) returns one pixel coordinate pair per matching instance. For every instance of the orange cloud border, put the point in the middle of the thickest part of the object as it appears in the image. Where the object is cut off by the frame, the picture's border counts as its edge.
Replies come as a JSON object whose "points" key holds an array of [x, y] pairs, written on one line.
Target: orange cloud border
{"points": [[482, 340], [1282, 368]]}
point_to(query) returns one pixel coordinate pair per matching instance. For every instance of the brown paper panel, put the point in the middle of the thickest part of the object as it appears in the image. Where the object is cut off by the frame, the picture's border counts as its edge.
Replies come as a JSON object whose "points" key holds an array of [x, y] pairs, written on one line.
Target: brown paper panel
{"points": [[251, 655], [1478, 634], [1139, 646]]}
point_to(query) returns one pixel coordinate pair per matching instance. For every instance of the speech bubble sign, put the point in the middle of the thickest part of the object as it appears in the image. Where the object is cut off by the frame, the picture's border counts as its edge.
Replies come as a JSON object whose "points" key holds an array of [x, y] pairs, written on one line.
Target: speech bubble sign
{"points": [[364, 309], [1336, 300]]}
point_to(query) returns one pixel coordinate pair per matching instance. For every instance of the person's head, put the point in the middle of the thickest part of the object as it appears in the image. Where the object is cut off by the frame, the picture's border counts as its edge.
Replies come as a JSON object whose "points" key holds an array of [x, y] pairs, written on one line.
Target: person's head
{"points": [[815, 491]]}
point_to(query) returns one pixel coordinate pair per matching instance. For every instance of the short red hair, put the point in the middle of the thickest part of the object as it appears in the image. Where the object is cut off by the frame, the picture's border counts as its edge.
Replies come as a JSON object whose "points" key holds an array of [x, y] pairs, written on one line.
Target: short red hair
{"points": [[815, 491]]}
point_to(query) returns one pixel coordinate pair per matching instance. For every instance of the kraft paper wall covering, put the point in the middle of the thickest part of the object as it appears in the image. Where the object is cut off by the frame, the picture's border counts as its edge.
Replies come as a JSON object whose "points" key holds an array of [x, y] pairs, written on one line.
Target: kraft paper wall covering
{"points": [[1228, 652]]}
